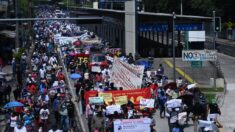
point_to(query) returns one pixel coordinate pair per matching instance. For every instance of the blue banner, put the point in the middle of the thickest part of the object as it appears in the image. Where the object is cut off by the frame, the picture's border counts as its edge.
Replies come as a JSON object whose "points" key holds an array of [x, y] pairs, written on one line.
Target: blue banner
{"points": [[164, 27]]}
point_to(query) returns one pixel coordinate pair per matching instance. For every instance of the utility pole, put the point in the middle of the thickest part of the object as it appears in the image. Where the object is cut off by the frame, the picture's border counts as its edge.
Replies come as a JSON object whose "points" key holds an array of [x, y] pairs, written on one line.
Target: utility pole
{"points": [[136, 29], [214, 45], [181, 7], [17, 26], [173, 44]]}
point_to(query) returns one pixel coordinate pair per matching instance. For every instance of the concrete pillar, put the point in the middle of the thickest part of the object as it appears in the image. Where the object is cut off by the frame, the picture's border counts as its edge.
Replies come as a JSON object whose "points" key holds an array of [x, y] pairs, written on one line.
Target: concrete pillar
{"points": [[157, 36], [179, 37], [167, 38], [149, 35], [130, 27], [162, 38], [153, 36]]}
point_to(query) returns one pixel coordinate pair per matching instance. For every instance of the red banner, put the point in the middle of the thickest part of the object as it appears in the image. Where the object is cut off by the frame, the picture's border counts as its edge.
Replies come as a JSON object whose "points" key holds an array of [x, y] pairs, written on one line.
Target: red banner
{"points": [[133, 95]]}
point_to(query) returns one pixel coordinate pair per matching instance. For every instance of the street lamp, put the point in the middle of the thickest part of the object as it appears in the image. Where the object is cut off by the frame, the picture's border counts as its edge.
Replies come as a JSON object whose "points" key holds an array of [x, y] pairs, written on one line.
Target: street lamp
{"points": [[173, 44], [181, 7]]}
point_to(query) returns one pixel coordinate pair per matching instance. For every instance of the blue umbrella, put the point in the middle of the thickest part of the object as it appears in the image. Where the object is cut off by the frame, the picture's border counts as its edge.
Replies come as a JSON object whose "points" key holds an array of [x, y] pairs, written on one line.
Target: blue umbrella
{"points": [[75, 76], [13, 104]]}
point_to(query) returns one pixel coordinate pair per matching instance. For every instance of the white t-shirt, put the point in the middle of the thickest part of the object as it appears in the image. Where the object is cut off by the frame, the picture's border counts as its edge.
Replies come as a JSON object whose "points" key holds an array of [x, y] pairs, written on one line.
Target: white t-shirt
{"points": [[44, 113], [52, 59], [55, 131], [45, 99], [42, 72], [22, 129], [13, 121]]}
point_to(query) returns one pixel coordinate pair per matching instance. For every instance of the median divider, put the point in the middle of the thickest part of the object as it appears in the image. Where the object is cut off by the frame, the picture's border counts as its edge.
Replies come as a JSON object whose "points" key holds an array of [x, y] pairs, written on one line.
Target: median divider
{"points": [[181, 72], [78, 118]]}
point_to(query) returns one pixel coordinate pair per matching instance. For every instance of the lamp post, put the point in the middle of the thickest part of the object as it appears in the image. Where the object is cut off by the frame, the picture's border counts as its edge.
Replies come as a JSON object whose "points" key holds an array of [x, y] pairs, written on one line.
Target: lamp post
{"points": [[173, 44], [214, 46], [17, 25], [181, 7]]}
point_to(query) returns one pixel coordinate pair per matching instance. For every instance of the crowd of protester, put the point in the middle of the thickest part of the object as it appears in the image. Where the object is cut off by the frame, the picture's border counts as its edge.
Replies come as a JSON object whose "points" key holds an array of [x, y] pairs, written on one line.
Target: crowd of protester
{"points": [[47, 100]]}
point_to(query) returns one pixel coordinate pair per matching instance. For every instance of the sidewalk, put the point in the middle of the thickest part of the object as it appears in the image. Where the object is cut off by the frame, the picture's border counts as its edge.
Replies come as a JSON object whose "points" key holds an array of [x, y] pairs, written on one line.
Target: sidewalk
{"points": [[227, 117]]}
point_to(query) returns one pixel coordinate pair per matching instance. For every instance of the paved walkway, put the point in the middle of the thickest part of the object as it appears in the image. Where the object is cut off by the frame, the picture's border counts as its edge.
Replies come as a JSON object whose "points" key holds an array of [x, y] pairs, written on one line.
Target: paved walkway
{"points": [[228, 107]]}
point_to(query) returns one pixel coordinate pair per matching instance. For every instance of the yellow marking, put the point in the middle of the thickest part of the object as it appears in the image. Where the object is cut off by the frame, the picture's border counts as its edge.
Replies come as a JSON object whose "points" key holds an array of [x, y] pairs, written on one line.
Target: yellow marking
{"points": [[181, 72]]}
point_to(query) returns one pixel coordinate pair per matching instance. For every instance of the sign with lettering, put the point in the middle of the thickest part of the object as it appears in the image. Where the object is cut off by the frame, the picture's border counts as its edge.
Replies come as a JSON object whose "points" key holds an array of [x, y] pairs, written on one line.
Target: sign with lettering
{"points": [[82, 58], [199, 55], [107, 96], [126, 75], [96, 100], [120, 100], [147, 103], [133, 95], [132, 125]]}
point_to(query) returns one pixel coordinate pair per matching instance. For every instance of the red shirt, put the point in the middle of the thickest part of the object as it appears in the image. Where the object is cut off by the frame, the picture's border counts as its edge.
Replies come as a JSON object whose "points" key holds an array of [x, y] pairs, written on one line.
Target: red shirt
{"points": [[98, 78]]}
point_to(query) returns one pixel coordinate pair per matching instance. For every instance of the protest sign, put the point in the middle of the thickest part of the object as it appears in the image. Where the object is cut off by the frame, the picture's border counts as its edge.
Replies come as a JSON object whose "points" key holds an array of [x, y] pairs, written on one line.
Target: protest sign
{"points": [[82, 58], [107, 96], [95, 69], [133, 95], [112, 108], [126, 75], [96, 100], [120, 100], [174, 103], [147, 103], [132, 125]]}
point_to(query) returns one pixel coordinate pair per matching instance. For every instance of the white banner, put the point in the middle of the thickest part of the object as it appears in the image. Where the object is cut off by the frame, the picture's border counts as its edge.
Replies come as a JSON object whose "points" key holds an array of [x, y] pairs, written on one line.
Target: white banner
{"points": [[132, 125], [126, 75], [112, 108], [148, 103], [199, 55], [65, 40]]}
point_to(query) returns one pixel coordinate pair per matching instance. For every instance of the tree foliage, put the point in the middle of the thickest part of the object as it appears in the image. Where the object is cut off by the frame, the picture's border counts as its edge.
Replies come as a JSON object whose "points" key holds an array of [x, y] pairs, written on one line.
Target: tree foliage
{"points": [[223, 8]]}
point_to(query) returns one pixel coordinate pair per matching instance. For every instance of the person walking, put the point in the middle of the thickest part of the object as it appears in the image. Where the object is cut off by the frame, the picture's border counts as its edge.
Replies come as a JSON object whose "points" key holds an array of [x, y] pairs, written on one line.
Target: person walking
{"points": [[70, 107], [44, 115], [98, 122], [162, 101], [13, 121], [56, 108], [64, 117]]}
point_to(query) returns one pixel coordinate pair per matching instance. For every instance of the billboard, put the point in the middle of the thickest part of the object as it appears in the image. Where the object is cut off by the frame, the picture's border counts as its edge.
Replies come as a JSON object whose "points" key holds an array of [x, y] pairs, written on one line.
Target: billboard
{"points": [[199, 55], [196, 36]]}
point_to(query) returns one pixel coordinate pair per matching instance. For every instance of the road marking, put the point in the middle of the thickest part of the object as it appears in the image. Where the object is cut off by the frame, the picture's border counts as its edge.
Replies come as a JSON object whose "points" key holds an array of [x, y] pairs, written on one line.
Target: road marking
{"points": [[181, 72]]}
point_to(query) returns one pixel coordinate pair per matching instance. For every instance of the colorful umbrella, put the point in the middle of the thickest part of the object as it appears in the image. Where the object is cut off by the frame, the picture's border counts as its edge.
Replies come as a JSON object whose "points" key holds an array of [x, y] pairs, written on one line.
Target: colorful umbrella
{"points": [[75, 76], [13, 104]]}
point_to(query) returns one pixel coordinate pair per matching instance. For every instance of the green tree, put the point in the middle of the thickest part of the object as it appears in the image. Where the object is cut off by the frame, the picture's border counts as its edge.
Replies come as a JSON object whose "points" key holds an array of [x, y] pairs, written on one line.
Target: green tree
{"points": [[24, 7]]}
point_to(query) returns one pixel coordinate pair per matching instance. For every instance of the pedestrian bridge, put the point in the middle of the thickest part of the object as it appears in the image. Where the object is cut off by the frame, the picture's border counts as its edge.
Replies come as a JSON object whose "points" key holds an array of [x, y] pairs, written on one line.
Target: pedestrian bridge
{"points": [[154, 34]]}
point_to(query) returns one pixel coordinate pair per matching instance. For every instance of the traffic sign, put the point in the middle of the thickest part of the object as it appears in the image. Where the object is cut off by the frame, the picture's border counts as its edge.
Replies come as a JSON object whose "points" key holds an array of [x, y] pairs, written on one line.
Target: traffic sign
{"points": [[196, 64]]}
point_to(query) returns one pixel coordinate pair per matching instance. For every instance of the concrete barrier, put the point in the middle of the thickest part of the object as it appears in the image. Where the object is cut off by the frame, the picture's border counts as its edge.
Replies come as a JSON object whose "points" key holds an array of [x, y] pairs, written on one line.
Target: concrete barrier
{"points": [[78, 118]]}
